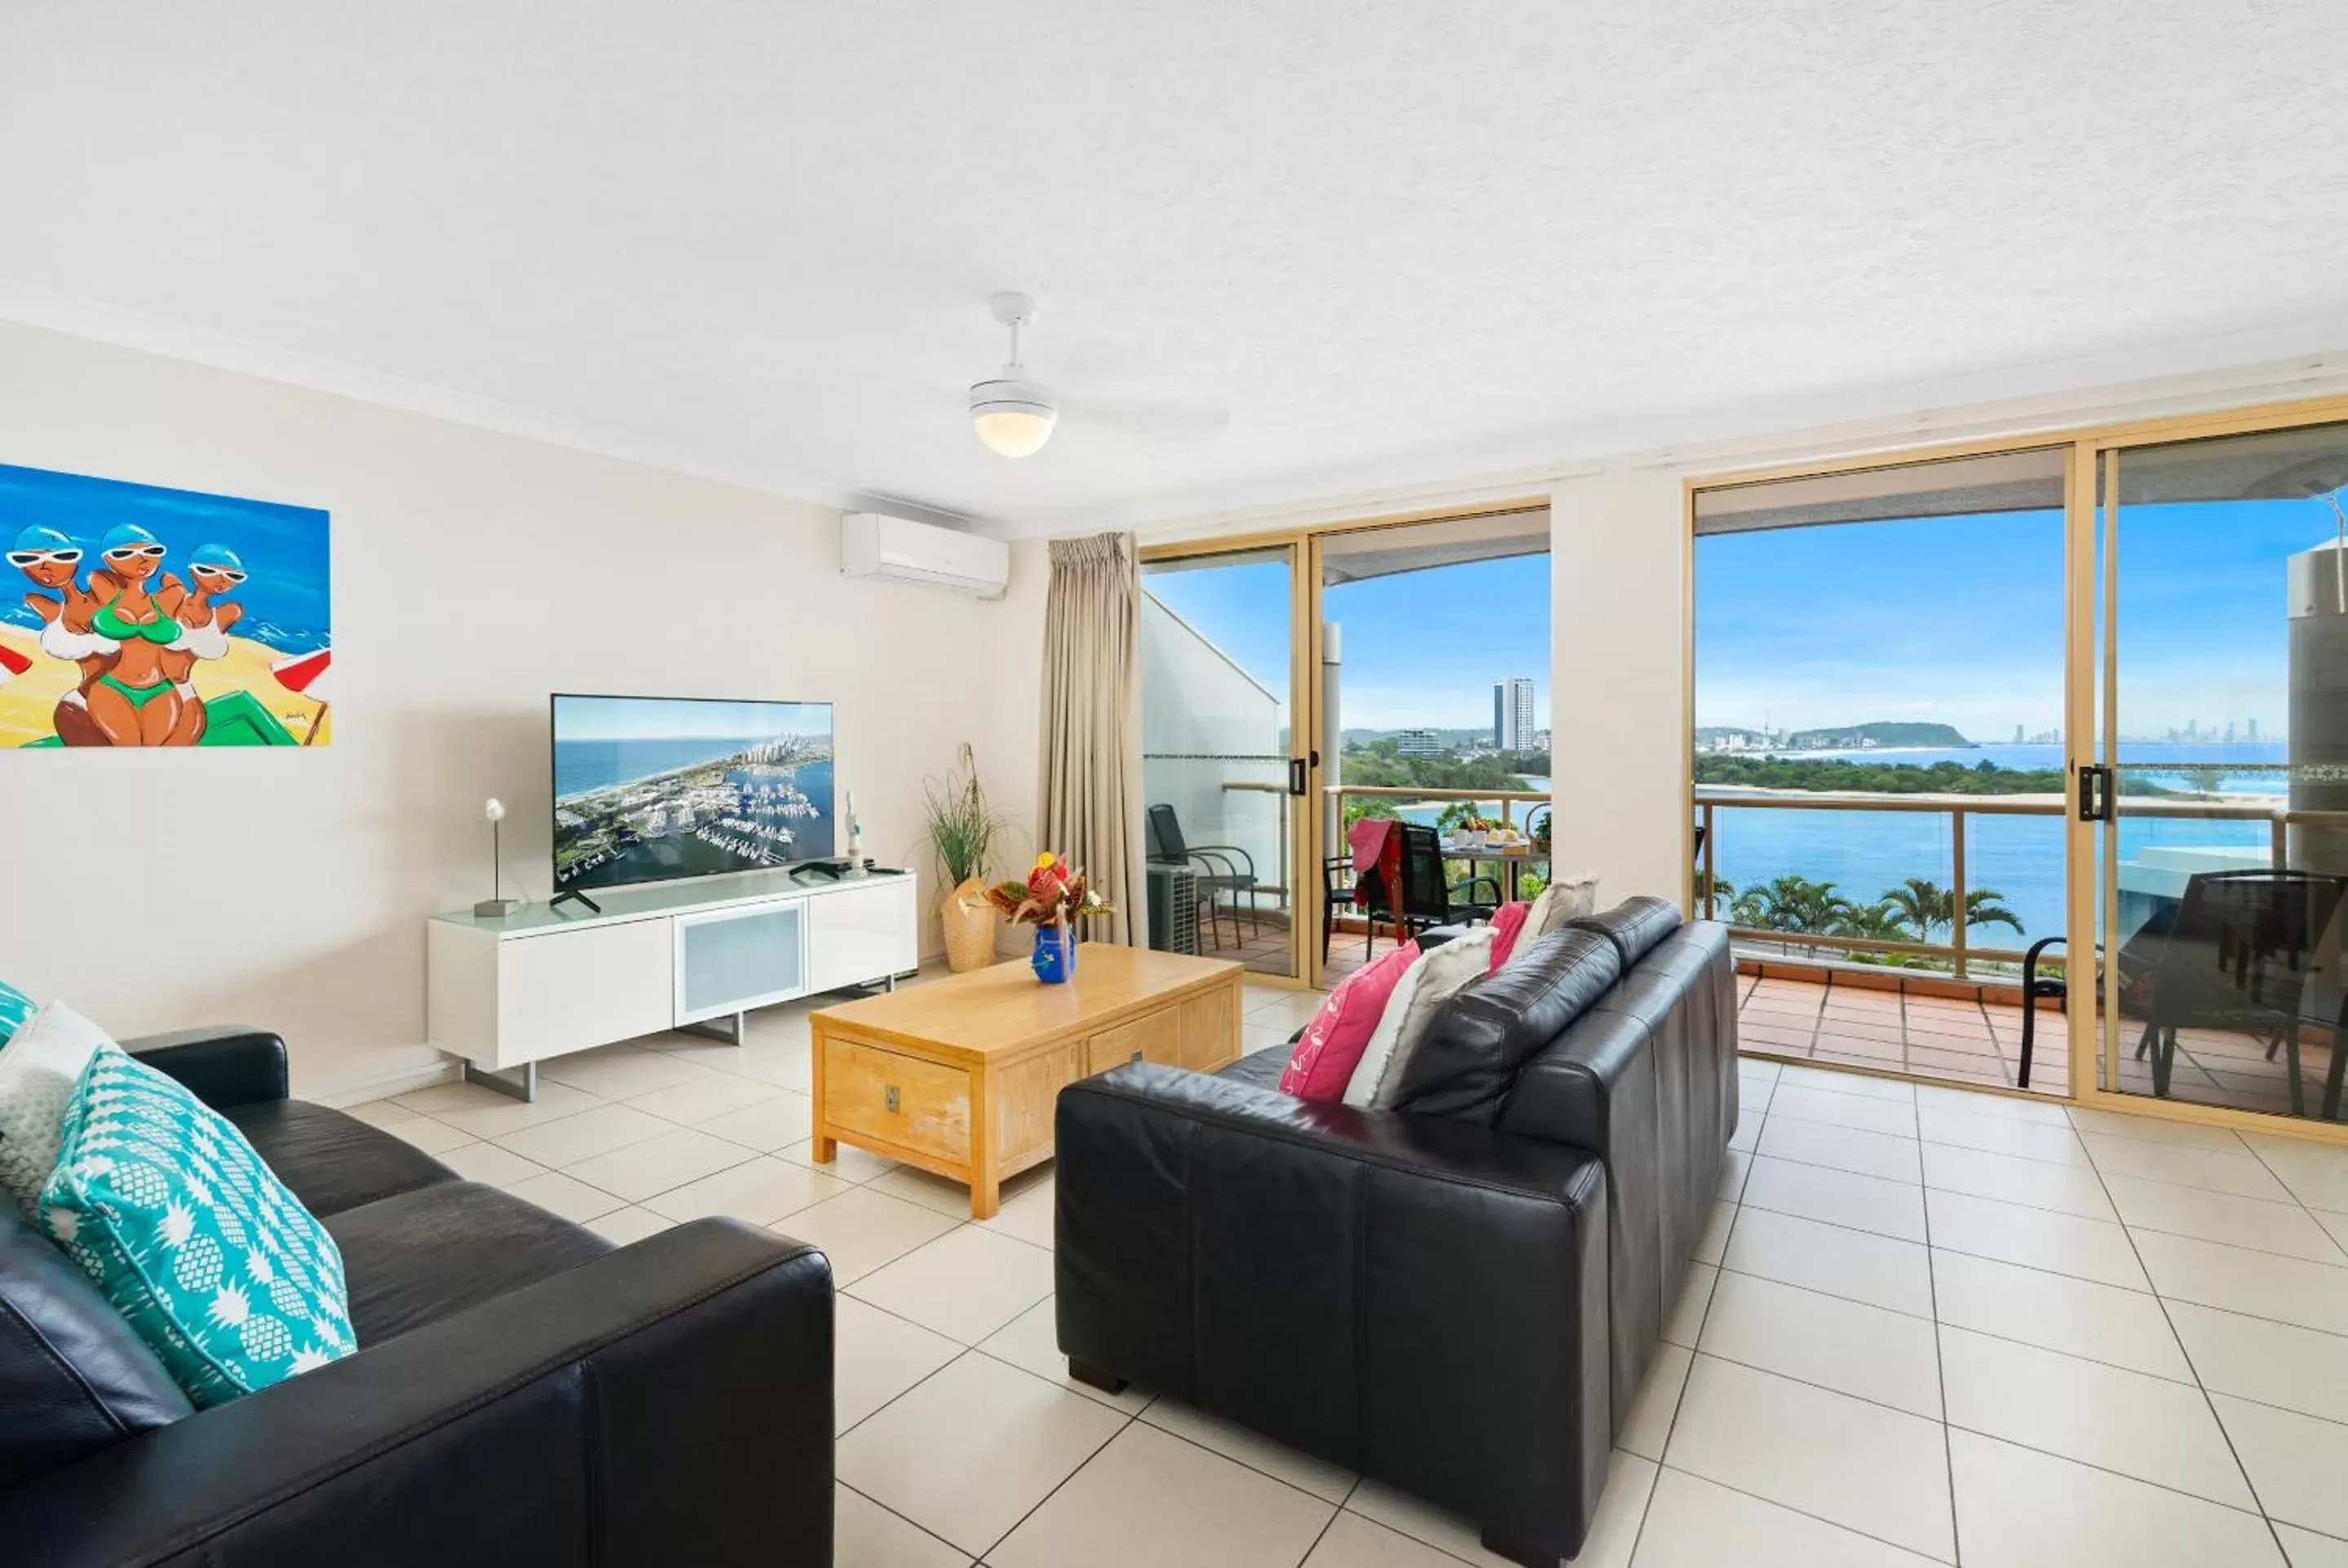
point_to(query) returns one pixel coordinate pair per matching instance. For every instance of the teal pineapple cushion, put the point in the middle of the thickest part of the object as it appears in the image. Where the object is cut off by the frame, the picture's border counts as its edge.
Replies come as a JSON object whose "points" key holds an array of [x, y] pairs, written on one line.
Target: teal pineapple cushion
{"points": [[221, 1271], [16, 1009]]}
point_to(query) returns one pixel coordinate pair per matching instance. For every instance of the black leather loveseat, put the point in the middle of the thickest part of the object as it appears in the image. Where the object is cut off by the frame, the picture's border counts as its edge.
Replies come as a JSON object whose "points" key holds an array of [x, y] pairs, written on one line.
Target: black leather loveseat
{"points": [[524, 1393], [1458, 1296]]}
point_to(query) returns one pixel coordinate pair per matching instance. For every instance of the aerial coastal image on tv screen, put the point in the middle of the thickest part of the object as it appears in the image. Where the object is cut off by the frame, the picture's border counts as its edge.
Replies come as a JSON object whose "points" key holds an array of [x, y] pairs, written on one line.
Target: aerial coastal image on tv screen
{"points": [[649, 789]]}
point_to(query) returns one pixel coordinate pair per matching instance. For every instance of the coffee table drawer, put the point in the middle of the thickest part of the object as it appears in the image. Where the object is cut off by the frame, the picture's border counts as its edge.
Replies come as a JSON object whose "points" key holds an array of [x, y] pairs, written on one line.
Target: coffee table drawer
{"points": [[922, 1106], [1152, 1037]]}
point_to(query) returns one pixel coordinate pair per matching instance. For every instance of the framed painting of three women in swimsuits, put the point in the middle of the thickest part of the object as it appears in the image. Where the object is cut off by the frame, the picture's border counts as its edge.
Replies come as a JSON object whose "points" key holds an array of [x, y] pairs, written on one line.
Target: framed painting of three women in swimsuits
{"points": [[139, 616]]}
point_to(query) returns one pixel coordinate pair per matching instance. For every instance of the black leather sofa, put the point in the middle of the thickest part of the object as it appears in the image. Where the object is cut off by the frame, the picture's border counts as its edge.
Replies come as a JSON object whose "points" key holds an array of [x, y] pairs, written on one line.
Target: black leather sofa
{"points": [[1458, 1296], [523, 1393]]}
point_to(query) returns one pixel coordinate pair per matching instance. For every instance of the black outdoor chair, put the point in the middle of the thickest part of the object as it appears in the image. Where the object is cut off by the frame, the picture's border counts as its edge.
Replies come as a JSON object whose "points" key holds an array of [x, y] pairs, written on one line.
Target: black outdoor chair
{"points": [[1427, 895], [1227, 869], [1332, 895], [2236, 958]]}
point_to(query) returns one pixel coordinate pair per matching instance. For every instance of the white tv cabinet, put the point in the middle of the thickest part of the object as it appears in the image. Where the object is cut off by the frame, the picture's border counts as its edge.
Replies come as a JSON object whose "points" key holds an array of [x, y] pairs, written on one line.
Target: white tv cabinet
{"points": [[506, 993]]}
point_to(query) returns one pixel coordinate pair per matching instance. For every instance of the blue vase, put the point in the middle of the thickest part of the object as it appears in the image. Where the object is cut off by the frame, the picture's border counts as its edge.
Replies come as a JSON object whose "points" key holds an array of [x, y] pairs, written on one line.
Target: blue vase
{"points": [[1055, 959]]}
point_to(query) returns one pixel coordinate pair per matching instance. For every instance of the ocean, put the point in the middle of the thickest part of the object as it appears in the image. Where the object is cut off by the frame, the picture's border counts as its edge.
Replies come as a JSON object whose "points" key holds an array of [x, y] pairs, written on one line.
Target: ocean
{"points": [[2019, 857]]}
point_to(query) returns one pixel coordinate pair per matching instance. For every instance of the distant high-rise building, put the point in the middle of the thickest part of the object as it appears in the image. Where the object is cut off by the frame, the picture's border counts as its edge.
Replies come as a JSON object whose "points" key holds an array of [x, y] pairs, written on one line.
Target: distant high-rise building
{"points": [[1513, 720], [2254, 731], [2017, 734], [1418, 743]]}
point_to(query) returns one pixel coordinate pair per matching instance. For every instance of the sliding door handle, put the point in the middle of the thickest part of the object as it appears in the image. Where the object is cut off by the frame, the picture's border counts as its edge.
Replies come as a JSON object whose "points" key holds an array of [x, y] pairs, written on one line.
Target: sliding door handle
{"points": [[1296, 776]]}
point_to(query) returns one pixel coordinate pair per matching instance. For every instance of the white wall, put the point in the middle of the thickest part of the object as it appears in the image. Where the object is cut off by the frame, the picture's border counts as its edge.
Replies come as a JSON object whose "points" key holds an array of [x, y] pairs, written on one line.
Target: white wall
{"points": [[474, 573]]}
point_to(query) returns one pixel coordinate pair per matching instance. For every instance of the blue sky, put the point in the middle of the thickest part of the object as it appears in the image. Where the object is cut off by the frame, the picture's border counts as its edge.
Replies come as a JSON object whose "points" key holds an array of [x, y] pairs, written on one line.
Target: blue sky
{"points": [[1960, 619], [284, 548], [1420, 648], [640, 719]]}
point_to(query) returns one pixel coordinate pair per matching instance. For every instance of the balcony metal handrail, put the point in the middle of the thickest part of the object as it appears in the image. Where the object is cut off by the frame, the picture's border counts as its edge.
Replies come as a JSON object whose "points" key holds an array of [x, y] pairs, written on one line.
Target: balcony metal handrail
{"points": [[1712, 798]]}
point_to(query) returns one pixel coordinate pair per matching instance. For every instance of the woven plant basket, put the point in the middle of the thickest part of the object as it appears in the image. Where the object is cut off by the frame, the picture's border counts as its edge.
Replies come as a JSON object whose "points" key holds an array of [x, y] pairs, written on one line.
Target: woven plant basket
{"points": [[970, 924]]}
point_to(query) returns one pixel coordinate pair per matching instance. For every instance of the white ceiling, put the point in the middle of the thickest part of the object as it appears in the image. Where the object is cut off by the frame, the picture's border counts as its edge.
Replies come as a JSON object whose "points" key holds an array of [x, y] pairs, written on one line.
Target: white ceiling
{"points": [[1396, 242]]}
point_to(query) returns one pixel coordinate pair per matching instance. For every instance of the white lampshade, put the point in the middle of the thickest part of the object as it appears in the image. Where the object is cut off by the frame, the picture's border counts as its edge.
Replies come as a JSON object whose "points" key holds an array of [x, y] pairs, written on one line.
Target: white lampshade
{"points": [[1015, 418]]}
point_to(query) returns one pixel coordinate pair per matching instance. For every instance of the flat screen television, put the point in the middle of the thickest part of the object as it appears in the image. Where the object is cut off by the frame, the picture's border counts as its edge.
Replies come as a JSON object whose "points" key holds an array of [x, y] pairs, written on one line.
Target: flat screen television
{"points": [[652, 789]]}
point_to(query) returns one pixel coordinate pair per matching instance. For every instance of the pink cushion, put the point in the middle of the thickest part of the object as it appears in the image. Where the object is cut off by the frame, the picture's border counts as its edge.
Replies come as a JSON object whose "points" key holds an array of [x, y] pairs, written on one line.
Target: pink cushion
{"points": [[1331, 1046], [1507, 923]]}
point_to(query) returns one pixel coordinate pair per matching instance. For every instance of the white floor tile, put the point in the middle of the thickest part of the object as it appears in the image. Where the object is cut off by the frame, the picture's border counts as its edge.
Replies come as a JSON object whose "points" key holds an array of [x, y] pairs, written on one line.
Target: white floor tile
{"points": [[1685, 1322], [2316, 1173], [1886, 1357], [1628, 1480], [2273, 1363], [1841, 1148], [859, 1231], [699, 1098], [1330, 1482], [1650, 1425], [1867, 1113], [1693, 1523], [866, 1535], [387, 1114], [2216, 1169], [572, 1199], [768, 1125], [622, 1226], [2153, 1130], [1795, 1076], [486, 1113], [968, 1451], [2021, 1509], [848, 1163], [2308, 1550], [1153, 1501], [2283, 1228], [1854, 1265], [1836, 1197], [1715, 1239], [2149, 1427], [435, 1138], [1031, 1343], [2036, 1238], [758, 1191], [2001, 1135], [2008, 1178], [1879, 1471], [584, 1136], [1749, 1118], [877, 1357], [965, 1284], [2257, 1284], [1352, 1542], [617, 1072], [1735, 1166], [487, 1162], [920, 1187], [2296, 1463], [657, 1164], [2057, 1312], [1027, 1217], [1974, 1102]]}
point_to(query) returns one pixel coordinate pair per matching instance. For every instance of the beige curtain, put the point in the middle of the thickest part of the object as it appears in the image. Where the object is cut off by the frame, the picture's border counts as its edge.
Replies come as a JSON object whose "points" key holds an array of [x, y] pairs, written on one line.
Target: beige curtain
{"points": [[1091, 807]]}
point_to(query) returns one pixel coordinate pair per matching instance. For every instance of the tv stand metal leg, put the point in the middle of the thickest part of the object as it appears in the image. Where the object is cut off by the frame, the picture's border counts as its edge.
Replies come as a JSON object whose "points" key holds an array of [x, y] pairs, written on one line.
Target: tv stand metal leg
{"points": [[709, 1027], [521, 1083]]}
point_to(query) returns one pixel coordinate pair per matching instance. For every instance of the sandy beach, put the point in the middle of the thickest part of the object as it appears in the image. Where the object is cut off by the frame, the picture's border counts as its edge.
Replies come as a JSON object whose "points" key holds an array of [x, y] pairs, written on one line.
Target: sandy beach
{"points": [[27, 701]]}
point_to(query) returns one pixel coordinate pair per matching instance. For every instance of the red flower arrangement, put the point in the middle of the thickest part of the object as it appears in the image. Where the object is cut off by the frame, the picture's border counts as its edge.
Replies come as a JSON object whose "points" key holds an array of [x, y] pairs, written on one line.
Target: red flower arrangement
{"points": [[1054, 894]]}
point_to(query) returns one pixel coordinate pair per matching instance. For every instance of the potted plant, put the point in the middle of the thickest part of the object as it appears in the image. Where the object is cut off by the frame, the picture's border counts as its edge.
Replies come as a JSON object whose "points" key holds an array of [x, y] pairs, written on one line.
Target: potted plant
{"points": [[1052, 898], [962, 826]]}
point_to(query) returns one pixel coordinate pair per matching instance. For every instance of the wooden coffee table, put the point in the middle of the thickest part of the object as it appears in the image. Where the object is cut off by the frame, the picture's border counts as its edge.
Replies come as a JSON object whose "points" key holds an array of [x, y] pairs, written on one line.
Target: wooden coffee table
{"points": [[959, 1076]]}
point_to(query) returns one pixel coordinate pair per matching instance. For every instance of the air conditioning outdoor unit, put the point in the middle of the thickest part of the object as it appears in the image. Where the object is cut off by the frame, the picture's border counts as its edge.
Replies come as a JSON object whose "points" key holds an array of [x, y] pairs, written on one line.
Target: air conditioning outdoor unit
{"points": [[872, 544], [1173, 907]]}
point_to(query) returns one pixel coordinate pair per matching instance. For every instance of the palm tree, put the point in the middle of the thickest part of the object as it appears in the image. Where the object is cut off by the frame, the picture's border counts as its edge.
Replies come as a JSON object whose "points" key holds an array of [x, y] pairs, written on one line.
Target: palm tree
{"points": [[1792, 903], [1920, 906]]}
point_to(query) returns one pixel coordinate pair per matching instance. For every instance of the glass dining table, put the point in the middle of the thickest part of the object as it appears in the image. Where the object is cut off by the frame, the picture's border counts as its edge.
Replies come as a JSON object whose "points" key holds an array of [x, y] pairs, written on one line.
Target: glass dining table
{"points": [[1514, 857]]}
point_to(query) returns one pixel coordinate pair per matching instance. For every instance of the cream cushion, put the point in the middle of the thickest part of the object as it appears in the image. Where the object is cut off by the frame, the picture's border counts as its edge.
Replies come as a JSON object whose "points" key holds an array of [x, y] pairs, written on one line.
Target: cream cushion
{"points": [[1410, 1012], [1566, 898], [38, 1068]]}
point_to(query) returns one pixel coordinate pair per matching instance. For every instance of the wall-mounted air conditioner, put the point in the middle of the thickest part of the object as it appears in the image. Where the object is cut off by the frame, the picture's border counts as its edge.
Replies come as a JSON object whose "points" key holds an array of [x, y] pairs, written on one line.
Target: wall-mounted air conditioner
{"points": [[872, 544]]}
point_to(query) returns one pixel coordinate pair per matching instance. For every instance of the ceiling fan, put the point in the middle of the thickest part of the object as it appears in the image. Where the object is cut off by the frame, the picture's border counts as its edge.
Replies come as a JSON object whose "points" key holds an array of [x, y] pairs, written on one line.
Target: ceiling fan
{"points": [[1014, 415]]}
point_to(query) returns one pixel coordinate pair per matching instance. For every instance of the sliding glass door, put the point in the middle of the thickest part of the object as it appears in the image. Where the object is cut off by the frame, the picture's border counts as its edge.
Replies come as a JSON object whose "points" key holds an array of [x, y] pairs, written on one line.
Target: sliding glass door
{"points": [[1224, 777], [2218, 790]]}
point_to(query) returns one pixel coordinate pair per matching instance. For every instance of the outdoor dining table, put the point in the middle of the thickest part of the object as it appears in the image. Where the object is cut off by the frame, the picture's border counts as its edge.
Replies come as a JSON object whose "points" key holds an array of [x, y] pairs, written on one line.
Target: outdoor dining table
{"points": [[1512, 855]]}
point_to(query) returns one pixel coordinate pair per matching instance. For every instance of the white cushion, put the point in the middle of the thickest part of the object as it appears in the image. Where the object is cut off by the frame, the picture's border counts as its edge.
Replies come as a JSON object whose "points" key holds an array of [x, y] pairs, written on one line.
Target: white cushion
{"points": [[38, 1068], [1565, 898], [1410, 1012]]}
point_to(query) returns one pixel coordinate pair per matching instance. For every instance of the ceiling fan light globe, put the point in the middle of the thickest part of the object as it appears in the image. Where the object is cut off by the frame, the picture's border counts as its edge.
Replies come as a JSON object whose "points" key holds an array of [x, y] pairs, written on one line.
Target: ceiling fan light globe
{"points": [[1014, 418]]}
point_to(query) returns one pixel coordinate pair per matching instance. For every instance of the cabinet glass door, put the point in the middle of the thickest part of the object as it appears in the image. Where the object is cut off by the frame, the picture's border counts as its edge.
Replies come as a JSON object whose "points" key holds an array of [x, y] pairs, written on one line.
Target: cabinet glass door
{"points": [[731, 959]]}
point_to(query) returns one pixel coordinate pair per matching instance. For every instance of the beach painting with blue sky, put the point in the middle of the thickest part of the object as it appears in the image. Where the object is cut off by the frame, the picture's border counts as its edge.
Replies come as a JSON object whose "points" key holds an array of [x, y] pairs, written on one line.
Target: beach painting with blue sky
{"points": [[141, 616]]}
